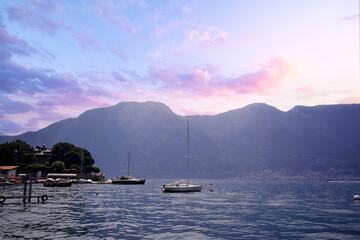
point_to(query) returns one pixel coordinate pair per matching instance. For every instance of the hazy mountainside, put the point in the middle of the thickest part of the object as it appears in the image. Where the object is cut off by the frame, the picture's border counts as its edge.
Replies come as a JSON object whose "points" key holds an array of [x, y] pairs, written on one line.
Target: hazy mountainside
{"points": [[155, 136], [259, 137], [251, 139]]}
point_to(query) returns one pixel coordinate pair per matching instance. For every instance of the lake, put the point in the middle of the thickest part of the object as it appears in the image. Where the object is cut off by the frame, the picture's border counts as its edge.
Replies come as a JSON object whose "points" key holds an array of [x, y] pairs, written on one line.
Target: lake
{"points": [[236, 209]]}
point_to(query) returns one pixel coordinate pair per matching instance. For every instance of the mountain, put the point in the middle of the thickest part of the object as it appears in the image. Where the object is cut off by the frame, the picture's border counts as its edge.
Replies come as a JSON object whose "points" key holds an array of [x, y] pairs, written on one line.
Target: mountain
{"points": [[257, 140], [259, 137]]}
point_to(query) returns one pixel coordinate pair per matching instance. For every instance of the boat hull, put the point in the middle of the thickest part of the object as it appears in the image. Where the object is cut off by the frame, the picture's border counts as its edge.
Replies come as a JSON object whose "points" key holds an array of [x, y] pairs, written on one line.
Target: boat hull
{"points": [[57, 184], [129, 182], [182, 188], [6, 183]]}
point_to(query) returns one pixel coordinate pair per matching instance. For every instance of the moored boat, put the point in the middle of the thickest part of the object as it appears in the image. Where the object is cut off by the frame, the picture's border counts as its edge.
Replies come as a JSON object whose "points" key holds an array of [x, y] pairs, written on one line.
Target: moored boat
{"points": [[183, 186], [57, 183], [109, 181], [128, 180], [4, 182]]}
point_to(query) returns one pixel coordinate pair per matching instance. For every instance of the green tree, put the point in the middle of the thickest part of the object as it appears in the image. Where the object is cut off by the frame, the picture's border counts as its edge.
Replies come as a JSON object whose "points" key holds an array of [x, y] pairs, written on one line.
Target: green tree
{"points": [[95, 169], [58, 166], [71, 155], [16, 153], [90, 169], [32, 168]]}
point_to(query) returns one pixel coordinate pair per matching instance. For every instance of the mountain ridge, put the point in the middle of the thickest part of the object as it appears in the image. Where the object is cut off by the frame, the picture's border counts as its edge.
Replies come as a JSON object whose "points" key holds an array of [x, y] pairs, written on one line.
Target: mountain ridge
{"points": [[241, 142]]}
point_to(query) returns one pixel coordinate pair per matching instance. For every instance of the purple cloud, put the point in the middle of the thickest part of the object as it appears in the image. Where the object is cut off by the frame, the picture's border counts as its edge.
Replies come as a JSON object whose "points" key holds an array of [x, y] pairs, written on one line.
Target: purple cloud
{"points": [[9, 127], [350, 18], [119, 52], [46, 5], [15, 77], [13, 44], [64, 88], [110, 11], [85, 37], [35, 16], [118, 77], [13, 107]]}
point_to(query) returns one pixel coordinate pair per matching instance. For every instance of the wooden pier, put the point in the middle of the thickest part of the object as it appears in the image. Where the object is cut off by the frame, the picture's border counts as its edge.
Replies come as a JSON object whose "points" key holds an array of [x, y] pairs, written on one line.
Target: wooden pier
{"points": [[43, 198]]}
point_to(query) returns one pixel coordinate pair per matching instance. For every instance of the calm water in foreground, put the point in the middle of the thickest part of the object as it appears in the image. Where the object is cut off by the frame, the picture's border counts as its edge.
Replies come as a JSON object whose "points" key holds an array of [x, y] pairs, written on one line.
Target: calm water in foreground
{"points": [[236, 209]]}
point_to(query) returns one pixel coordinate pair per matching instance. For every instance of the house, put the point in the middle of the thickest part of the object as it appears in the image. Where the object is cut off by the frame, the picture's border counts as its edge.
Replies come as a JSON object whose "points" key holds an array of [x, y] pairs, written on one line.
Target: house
{"points": [[8, 172], [42, 154]]}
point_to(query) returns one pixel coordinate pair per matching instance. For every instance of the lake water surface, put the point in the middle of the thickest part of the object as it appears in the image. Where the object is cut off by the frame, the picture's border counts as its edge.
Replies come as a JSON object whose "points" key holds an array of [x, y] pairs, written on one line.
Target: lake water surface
{"points": [[236, 209]]}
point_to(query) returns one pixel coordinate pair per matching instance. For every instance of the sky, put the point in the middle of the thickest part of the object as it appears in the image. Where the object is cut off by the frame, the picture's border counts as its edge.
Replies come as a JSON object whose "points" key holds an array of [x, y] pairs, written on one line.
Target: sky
{"points": [[61, 58]]}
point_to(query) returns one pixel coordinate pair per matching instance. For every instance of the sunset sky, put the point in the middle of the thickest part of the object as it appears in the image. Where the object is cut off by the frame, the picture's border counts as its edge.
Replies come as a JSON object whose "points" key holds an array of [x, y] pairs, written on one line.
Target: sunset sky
{"points": [[60, 58]]}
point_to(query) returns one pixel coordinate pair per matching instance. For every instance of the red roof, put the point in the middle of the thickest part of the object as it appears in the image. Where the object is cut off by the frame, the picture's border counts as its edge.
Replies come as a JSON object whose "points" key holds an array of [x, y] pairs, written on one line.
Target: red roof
{"points": [[8, 167]]}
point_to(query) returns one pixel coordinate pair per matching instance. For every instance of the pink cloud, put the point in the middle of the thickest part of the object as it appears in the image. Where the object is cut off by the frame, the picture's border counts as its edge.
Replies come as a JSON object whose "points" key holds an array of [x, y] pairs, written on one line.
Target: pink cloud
{"points": [[209, 82], [245, 37], [306, 89], [350, 18], [181, 80], [270, 75], [353, 97], [185, 9]]}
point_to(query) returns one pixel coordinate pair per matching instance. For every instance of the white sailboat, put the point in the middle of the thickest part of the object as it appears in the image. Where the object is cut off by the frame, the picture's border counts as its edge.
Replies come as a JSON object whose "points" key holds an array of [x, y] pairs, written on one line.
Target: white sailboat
{"points": [[183, 186]]}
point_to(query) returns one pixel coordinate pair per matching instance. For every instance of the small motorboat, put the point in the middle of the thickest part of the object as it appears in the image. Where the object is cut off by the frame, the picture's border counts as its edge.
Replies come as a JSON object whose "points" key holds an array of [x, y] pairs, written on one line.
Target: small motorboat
{"points": [[60, 182], [357, 197]]}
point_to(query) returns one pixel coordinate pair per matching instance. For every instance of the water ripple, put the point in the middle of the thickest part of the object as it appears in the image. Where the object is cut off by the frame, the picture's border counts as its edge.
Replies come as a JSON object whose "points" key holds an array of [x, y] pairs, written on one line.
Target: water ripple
{"points": [[235, 210]]}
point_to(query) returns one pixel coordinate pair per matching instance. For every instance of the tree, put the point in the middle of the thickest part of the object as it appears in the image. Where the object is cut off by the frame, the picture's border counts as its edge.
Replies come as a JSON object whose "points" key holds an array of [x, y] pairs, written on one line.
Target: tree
{"points": [[16, 153], [90, 169], [33, 168], [71, 155], [58, 166], [95, 169]]}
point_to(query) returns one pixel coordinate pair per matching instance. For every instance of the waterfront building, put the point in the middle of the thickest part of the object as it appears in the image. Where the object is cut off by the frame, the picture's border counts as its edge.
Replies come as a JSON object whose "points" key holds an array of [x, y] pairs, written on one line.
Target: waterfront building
{"points": [[8, 172]]}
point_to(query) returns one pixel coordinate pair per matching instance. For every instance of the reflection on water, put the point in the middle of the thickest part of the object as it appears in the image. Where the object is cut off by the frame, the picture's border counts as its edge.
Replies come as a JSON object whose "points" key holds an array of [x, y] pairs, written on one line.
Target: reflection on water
{"points": [[235, 210]]}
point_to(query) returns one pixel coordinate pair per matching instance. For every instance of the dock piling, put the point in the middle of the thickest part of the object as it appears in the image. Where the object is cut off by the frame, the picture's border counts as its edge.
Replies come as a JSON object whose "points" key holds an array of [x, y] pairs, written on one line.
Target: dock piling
{"points": [[24, 199], [43, 198], [30, 188]]}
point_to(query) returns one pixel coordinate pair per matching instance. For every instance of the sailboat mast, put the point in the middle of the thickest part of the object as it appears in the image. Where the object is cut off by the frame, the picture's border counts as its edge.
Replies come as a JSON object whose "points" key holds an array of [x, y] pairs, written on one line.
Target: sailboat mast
{"points": [[82, 158], [128, 165], [188, 163]]}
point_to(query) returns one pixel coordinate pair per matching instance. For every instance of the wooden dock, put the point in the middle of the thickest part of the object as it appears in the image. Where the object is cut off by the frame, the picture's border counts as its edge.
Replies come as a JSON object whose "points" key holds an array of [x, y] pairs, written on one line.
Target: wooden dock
{"points": [[43, 198]]}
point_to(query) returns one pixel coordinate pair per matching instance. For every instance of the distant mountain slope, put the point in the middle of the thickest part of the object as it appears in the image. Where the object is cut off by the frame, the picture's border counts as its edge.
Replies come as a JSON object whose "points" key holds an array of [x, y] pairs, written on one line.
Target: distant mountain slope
{"points": [[154, 135], [255, 139], [260, 137]]}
